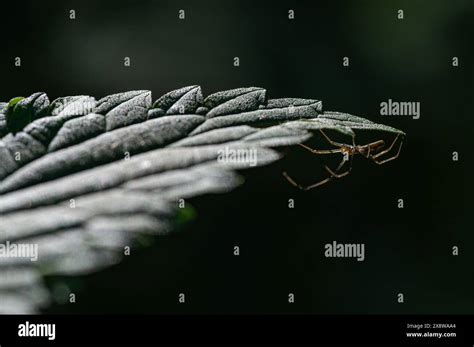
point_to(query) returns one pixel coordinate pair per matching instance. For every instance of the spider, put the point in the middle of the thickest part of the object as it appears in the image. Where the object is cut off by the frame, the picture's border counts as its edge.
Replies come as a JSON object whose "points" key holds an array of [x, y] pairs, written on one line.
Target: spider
{"points": [[348, 151]]}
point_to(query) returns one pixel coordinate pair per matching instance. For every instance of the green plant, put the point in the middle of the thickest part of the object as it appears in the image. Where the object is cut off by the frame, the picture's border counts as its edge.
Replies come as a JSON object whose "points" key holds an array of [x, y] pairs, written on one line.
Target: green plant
{"points": [[82, 178]]}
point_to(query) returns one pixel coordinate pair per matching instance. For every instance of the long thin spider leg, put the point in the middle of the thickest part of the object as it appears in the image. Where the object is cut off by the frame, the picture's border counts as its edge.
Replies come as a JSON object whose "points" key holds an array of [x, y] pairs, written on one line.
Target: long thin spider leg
{"points": [[321, 151], [328, 151], [380, 162], [292, 181], [326, 180], [334, 143], [340, 151], [370, 146], [350, 163], [388, 149], [318, 184], [336, 173]]}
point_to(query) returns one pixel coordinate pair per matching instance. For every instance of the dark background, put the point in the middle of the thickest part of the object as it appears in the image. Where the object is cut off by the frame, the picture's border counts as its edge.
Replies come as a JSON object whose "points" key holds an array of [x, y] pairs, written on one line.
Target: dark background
{"points": [[282, 250]]}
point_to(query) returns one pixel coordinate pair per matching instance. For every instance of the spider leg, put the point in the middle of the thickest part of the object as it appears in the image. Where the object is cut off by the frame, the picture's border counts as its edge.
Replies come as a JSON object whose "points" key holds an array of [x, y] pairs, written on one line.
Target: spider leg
{"points": [[388, 149], [366, 150], [328, 151], [305, 188], [317, 184], [380, 162], [320, 183], [294, 183], [321, 151], [334, 174], [334, 143]]}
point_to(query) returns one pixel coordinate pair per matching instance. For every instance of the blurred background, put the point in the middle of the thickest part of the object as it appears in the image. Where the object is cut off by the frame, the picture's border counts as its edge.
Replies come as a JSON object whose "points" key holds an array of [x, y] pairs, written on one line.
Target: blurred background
{"points": [[407, 250]]}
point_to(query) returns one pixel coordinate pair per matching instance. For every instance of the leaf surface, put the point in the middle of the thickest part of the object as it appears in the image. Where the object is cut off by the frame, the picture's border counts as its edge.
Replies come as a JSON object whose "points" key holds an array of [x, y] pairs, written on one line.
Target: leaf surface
{"points": [[85, 178]]}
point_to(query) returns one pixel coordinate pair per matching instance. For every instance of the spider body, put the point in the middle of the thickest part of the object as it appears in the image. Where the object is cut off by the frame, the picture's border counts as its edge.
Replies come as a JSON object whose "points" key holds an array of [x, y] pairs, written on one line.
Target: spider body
{"points": [[364, 150], [373, 151]]}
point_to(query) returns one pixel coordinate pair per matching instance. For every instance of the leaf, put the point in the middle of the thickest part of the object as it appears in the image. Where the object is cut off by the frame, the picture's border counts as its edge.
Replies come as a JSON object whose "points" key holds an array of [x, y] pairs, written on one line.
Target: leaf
{"points": [[22, 111], [19, 148], [85, 178], [12, 103], [3, 119]]}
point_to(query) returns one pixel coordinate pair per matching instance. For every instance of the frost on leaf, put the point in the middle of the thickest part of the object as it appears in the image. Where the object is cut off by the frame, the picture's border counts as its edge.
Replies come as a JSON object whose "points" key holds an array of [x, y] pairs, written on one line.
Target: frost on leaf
{"points": [[67, 185]]}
